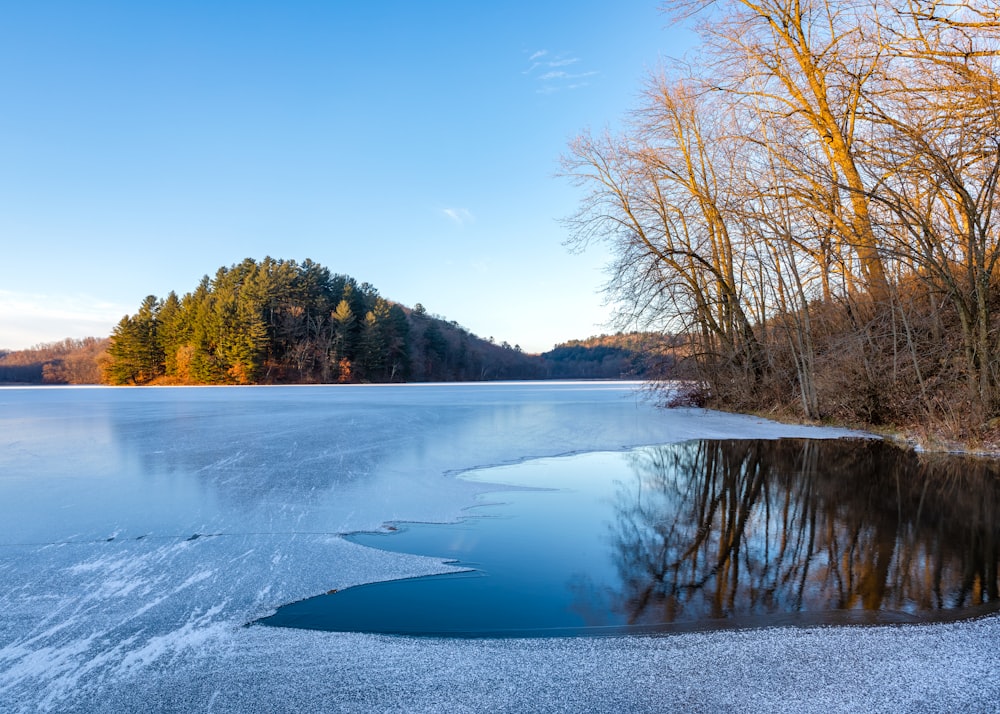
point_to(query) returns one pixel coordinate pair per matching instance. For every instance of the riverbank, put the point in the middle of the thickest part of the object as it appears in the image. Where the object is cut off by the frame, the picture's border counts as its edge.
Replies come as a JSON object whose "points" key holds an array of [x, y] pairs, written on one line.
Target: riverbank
{"points": [[925, 438]]}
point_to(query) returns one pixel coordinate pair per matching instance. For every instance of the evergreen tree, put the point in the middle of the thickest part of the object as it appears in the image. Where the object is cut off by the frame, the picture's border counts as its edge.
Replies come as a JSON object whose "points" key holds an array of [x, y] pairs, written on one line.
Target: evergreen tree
{"points": [[199, 357], [342, 349], [435, 351], [397, 345], [172, 332], [372, 349], [134, 351], [239, 330]]}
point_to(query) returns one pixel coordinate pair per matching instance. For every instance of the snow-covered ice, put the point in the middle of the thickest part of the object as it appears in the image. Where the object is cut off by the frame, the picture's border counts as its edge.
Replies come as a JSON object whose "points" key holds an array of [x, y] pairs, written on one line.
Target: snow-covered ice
{"points": [[141, 529]]}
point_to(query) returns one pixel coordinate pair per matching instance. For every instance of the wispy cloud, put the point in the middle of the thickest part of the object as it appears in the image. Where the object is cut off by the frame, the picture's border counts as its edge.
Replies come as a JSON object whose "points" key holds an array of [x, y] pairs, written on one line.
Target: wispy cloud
{"points": [[547, 72], [565, 75], [460, 216]]}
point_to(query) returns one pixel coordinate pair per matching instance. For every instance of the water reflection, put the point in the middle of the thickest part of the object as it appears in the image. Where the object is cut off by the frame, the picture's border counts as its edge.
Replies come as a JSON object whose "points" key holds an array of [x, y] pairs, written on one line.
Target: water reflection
{"points": [[697, 535], [737, 529]]}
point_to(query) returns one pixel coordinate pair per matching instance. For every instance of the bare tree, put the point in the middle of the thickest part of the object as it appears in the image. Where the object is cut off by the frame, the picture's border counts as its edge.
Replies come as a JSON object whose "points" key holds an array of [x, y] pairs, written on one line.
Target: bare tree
{"points": [[814, 207], [934, 112], [804, 62], [661, 196]]}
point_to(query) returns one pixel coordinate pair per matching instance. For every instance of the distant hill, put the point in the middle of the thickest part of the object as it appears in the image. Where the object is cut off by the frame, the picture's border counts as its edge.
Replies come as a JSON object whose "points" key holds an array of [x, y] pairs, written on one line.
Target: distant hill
{"points": [[278, 321], [282, 322], [66, 362], [637, 355]]}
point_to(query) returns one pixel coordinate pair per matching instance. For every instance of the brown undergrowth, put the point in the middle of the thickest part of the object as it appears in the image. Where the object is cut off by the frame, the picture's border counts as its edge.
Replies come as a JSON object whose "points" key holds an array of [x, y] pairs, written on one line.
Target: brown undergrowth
{"points": [[897, 367]]}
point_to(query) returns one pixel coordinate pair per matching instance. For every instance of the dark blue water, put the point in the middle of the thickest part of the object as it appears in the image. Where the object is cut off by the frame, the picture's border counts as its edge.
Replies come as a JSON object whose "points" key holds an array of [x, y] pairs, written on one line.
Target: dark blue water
{"points": [[541, 561], [695, 536]]}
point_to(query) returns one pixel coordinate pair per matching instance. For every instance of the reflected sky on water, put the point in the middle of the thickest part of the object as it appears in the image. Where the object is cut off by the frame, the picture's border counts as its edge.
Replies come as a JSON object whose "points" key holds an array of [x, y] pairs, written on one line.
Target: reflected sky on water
{"points": [[698, 535]]}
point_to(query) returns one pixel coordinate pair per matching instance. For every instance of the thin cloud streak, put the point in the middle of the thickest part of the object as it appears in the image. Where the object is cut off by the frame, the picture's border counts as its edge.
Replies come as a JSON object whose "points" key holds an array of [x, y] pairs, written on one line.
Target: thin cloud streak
{"points": [[460, 216], [552, 78], [564, 62], [566, 75]]}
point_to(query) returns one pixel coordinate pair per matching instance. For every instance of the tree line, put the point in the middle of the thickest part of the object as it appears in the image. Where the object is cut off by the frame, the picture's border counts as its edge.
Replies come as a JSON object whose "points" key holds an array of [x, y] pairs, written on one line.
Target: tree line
{"points": [[157, 345], [68, 361], [279, 321], [809, 201], [633, 355]]}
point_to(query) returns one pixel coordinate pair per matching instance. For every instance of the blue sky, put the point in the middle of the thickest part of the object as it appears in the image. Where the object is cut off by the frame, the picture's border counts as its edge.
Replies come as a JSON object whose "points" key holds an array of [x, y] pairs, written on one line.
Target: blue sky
{"points": [[412, 145]]}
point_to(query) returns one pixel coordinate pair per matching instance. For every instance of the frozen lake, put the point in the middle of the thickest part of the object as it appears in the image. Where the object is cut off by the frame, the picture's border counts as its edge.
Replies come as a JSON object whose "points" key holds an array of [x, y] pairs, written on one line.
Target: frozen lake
{"points": [[140, 529]]}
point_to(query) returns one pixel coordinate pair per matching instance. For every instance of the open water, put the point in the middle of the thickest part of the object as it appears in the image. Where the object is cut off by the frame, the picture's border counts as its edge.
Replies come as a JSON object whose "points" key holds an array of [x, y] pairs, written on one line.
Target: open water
{"points": [[699, 535]]}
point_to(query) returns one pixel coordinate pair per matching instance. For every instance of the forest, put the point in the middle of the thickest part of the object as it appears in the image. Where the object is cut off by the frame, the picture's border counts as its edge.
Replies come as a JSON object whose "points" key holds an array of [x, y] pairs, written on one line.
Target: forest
{"points": [[636, 355], [808, 199], [66, 362], [279, 321]]}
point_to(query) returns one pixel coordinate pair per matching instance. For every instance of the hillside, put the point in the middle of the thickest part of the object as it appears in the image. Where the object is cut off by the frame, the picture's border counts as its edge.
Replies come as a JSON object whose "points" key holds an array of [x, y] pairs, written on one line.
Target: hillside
{"points": [[281, 322], [278, 321], [66, 362], [636, 355]]}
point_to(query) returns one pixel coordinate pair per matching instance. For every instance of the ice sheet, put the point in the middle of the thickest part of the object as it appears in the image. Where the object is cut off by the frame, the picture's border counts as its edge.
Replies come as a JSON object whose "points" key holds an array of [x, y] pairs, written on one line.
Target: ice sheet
{"points": [[140, 529]]}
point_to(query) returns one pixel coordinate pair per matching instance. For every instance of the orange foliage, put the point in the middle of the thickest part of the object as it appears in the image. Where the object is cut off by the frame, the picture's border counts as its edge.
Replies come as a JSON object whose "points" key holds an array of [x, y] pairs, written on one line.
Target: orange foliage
{"points": [[345, 370]]}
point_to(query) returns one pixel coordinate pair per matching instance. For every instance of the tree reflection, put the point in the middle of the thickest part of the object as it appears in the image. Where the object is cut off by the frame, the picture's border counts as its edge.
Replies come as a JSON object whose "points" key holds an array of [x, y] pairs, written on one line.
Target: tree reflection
{"points": [[741, 529]]}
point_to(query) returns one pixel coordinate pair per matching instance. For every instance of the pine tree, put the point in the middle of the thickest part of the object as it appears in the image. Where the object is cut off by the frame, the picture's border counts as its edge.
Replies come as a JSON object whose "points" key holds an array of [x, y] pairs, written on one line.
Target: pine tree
{"points": [[372, 352], [342, 349], [135, 353], [172, 332], [397, 345]]}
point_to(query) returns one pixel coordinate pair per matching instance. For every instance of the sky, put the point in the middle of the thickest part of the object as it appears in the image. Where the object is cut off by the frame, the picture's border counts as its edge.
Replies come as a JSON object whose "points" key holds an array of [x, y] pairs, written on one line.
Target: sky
{"points": [[411, 145]]}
